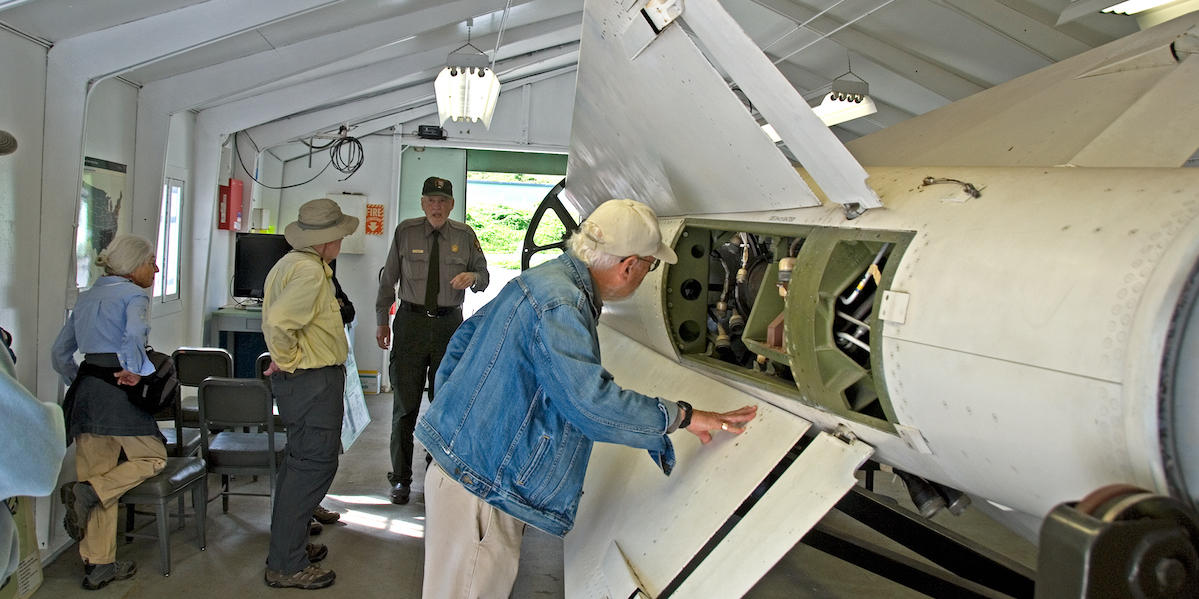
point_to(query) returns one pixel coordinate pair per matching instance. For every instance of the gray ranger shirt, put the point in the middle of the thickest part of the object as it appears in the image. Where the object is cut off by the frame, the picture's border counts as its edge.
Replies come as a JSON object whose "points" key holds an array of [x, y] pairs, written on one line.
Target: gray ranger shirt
{"points": [[408, 263]]}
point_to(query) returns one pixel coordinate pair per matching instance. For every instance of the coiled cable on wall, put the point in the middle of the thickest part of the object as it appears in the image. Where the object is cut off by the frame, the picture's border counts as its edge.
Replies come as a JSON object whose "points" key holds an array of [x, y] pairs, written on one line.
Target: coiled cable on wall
{"points": [[345, 154]]}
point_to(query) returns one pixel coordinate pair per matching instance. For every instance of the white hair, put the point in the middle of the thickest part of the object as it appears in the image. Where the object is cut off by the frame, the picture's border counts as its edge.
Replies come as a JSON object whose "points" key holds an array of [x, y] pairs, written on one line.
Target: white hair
{"points": [[124, 254], [582, 245]]}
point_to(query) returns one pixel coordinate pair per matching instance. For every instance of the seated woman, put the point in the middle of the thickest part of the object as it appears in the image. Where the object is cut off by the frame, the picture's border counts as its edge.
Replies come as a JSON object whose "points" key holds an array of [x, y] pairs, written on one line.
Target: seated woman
{"points": [[109, 326]]}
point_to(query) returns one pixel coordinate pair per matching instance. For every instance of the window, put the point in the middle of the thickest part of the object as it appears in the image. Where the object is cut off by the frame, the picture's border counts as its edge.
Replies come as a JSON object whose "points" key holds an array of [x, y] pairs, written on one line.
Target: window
{"points": [[166, 285]]}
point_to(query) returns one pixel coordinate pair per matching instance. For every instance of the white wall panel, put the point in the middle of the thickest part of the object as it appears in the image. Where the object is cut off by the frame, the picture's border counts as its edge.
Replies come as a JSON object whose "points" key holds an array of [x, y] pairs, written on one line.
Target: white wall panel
{"points": [[21, 108], [355, 272]]}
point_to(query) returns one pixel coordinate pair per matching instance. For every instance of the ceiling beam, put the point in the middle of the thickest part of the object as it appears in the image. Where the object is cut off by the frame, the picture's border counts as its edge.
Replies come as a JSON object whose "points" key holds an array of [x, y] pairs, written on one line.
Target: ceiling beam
{"points": [[7, 4], [110, 51], [267, 106], [931, 75], [383, 106], [1033, 35], [213, 84], [1080, 32], [445, 37]]}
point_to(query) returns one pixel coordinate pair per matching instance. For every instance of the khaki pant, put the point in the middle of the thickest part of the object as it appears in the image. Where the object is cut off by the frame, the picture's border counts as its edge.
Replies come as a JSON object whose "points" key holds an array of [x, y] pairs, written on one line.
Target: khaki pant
{"points": [[97, 461], [472, 550]]}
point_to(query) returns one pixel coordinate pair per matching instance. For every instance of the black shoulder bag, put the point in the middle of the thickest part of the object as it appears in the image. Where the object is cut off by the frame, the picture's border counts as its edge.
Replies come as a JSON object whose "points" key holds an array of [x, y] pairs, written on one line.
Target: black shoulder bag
{"points": [[159, 389]]}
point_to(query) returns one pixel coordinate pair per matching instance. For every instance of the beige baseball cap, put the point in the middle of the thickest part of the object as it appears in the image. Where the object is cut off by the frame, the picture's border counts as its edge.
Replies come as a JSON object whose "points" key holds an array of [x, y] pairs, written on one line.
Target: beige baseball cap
{"points": [[627, 228]]}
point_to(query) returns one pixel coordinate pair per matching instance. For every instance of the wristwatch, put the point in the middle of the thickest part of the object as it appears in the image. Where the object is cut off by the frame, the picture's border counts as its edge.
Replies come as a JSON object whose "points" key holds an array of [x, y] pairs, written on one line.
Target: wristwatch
{"points": [[686, 410]]}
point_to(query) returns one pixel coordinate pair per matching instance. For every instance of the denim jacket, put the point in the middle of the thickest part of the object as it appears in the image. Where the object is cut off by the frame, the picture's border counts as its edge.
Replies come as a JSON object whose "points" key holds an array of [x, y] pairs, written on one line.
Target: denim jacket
{"points": [[521, 396]]}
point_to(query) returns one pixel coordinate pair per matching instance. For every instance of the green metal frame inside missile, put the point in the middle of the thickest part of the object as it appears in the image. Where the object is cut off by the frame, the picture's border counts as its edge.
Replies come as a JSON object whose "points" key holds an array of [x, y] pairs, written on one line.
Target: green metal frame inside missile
{"points": [[828, 265]]}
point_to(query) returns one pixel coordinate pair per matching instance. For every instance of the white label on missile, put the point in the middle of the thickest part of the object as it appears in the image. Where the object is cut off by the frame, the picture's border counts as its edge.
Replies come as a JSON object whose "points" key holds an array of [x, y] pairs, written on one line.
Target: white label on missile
{"points": [[914, 438], [894, 307]]}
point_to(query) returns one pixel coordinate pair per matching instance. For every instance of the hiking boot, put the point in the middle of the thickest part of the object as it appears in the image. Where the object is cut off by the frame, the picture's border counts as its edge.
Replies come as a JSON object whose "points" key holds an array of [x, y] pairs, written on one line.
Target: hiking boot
{"points": [[316, 552], [95, 576], [79, 498], [315, 528], [312, 577], [400, 493], [325, 516]]}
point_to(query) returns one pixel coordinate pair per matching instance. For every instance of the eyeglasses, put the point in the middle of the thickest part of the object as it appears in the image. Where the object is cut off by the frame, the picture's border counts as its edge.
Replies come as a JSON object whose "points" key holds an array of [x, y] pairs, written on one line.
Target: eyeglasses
{"points": [[653, 262]]}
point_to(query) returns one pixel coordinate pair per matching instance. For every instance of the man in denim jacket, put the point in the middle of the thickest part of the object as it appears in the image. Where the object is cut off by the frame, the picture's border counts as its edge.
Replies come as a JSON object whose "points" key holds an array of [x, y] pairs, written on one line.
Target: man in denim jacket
{"points": [[522, 396]]}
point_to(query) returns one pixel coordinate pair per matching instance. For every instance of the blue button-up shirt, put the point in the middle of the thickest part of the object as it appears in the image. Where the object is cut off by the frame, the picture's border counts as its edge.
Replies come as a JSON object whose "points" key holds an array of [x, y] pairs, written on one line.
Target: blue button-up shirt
{"points": [[521, 397], [113, 316]]}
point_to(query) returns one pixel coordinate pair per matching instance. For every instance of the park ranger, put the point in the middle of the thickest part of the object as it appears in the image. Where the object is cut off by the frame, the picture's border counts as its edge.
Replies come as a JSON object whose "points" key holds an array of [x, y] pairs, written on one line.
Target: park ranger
{"points": [[434, 260]]}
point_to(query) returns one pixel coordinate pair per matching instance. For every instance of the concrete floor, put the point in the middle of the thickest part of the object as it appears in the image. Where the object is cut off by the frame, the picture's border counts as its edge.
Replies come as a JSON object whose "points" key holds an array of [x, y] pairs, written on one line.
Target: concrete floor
{"points": [[377, 548]]}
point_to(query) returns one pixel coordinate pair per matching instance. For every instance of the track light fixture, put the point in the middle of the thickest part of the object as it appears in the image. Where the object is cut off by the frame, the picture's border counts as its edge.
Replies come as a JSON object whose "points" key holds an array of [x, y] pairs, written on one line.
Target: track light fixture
{"points": [[467, 88]]}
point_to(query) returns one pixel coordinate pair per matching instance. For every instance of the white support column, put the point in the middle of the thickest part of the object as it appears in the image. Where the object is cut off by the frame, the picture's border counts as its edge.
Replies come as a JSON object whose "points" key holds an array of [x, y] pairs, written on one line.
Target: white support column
{"points": [[207, 157], [62, 149]]}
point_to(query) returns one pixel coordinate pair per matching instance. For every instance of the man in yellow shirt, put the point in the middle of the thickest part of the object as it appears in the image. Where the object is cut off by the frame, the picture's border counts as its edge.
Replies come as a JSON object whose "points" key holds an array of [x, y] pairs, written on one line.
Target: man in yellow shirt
{"points": [[301, 321]]}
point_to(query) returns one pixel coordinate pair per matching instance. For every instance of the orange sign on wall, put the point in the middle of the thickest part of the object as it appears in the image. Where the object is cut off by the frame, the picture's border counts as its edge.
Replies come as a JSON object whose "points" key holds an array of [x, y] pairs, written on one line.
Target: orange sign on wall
{"points": [[374, 219]]}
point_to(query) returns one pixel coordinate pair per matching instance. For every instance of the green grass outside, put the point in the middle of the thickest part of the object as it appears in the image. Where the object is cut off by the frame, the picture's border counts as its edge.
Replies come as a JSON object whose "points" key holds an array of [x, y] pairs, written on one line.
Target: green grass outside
{"points": [[501, 230]]}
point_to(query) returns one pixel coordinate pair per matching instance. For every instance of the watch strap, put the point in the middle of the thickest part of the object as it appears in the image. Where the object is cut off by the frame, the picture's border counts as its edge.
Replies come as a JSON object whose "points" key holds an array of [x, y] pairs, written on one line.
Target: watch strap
{"points": [[686, 410]]}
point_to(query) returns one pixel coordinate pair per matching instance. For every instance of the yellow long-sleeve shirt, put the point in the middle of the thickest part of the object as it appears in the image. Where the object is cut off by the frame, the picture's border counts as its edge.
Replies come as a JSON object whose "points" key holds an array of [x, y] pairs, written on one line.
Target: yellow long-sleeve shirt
{"points": [[301, 319]]}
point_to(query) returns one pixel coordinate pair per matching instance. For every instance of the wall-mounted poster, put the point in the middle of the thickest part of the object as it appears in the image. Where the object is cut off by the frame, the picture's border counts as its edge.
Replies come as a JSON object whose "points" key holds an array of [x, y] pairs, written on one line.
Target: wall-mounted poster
{"points": [[374, 219], [99, 215]]}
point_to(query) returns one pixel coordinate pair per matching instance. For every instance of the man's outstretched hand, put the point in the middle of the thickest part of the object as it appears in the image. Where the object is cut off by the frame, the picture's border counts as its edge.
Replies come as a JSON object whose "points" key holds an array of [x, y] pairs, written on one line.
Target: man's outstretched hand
{"points": [[703, 423]]}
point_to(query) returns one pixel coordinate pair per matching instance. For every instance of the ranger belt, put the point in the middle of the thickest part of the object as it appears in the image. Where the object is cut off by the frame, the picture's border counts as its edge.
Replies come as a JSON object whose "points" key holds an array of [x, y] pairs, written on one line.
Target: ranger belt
{"points": [[438, 313]]}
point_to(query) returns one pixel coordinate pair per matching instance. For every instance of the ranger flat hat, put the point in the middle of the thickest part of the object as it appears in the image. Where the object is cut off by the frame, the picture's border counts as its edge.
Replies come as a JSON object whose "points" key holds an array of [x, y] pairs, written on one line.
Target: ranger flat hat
{"points": [[436, 186], [320, 221]]}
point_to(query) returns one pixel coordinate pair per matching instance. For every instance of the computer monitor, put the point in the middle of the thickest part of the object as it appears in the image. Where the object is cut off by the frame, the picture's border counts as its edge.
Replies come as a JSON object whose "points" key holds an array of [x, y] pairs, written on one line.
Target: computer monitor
{"points": [[254, 255]]}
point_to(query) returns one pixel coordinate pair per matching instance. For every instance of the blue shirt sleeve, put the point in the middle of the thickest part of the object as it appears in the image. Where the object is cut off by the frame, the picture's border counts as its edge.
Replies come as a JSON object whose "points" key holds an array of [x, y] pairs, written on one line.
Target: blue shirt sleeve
{"points": [[570, 372], [62, 354], [132, 353]]}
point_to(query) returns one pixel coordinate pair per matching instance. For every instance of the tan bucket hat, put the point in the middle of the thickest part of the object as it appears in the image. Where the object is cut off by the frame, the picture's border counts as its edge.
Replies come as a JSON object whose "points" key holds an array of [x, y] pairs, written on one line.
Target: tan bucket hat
{"points": [[320, 221]]}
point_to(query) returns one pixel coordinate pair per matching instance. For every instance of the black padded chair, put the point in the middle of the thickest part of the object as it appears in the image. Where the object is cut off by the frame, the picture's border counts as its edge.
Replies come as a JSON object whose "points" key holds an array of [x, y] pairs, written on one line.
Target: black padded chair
{"points": [[181, 474], [193, 365], [231, 406], [170, 424], [260, 365]]}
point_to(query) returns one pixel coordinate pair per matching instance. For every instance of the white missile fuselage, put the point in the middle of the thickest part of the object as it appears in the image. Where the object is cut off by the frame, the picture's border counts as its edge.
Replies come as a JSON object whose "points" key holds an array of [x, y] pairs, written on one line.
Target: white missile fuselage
{"points": [[1024, 335]]}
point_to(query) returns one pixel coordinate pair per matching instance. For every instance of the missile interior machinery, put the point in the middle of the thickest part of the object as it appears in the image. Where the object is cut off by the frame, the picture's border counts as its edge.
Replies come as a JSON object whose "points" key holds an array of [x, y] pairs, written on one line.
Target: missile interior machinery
{"points": [[788, 308]]}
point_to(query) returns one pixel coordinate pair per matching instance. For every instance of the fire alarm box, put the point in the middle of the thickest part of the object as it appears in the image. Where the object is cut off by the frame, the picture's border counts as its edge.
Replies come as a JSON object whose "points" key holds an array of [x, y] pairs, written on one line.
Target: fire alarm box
{"points": [[229, 198]]}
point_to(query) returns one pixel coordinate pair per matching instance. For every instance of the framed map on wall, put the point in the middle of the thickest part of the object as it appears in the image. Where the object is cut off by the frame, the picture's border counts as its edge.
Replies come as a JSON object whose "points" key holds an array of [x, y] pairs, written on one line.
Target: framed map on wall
{"points": [[99, 215]]}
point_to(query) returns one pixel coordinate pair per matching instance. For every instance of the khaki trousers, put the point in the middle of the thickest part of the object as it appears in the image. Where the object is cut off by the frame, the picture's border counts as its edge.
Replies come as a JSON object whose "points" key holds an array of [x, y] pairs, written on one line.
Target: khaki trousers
{"points": [[97, 461], [472, 550]]}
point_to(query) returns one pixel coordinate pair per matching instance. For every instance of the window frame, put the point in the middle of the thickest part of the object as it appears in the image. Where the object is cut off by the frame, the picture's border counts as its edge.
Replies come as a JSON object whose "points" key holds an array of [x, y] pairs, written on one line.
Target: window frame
{"points": [[170, 243]]}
